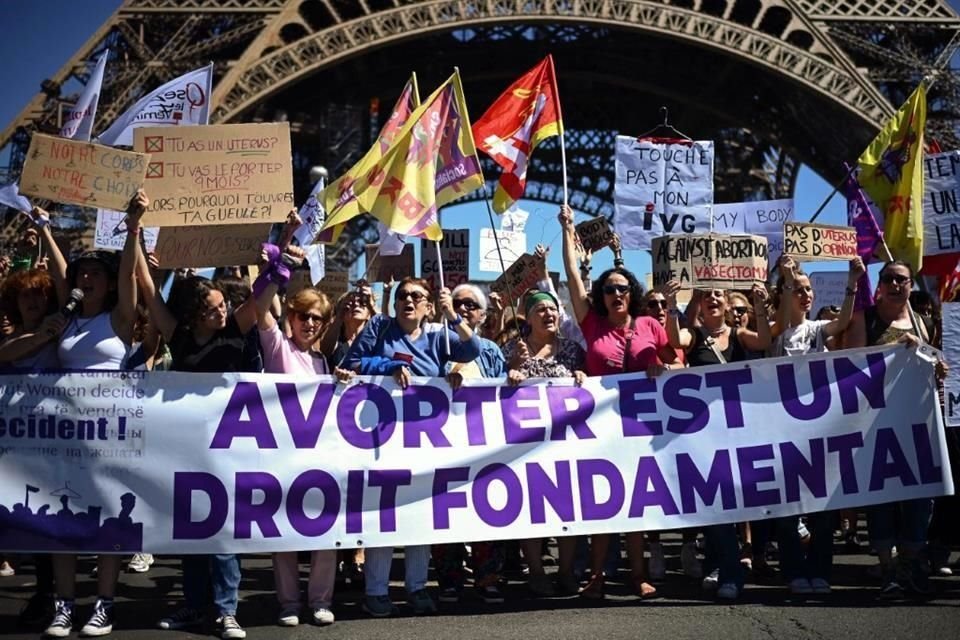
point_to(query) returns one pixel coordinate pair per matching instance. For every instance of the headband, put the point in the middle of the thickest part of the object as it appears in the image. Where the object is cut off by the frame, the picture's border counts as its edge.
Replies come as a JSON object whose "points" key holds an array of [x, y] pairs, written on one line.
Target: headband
{"points": [[539, 296]]}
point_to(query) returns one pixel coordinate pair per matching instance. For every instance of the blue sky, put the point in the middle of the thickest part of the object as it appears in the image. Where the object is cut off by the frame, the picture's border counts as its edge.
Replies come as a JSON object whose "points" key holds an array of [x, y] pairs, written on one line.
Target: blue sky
{"points": [[41, 35]]}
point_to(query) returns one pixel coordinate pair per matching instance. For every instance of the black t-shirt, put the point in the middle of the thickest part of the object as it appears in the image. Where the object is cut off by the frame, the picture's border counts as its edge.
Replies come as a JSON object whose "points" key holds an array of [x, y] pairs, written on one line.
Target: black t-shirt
{"points": [[225, 351], [701, 353]]}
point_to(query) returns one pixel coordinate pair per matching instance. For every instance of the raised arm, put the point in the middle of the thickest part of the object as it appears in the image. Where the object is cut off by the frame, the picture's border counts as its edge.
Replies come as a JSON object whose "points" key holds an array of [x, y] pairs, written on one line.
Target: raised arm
{"points": [[788, 269], [760, 339], [58, 264], [578, 293], [678, 338], [125, 313], [842, 321]]}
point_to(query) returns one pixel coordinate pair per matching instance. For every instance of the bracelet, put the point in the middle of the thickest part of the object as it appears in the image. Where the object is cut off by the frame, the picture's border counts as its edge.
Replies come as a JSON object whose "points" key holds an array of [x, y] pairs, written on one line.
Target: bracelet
{"points": [[456, 321], [134, 230], [41, 222], [851, 292], [674, 313]]}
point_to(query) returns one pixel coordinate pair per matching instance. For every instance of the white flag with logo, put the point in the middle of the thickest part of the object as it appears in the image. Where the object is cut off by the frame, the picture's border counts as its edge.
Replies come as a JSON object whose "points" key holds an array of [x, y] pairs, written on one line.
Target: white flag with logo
{"points": [[313, 216], [182, 101], [78, 124], [10, 196]]}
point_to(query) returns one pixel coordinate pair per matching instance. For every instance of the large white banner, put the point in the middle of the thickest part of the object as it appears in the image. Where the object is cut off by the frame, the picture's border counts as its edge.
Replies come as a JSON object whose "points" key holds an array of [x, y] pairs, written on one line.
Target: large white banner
{"points": [[941, 203], [199, 463], [661, 189], [951, 352], [183, 101], [78, 124]]}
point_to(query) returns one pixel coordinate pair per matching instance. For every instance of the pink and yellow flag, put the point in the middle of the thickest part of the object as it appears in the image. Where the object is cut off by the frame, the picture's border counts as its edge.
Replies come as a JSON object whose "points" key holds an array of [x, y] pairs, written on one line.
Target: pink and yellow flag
{"points": [[431, 162], [408, 101], [891, 172]]}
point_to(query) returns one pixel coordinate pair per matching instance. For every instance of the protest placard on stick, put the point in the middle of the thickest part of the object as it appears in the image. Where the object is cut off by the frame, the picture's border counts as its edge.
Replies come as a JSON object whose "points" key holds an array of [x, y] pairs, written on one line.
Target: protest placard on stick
{"points": [[381, 268], [513, 244], [595, 234], [73, 172], [706, 261], [210, 246], [110, 232], [806, 241], [229, 174], [941, 203], [519, 277], [455, 253]]}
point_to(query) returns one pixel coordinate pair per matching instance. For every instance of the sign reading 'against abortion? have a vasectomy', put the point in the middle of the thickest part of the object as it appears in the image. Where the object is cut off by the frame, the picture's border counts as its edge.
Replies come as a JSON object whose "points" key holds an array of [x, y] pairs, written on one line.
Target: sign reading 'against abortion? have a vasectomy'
{"points": [[217, 463]]}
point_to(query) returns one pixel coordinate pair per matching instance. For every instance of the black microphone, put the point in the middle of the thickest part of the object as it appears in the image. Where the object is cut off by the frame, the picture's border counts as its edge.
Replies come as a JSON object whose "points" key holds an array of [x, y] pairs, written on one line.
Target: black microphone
{"points": [[72, 307]]}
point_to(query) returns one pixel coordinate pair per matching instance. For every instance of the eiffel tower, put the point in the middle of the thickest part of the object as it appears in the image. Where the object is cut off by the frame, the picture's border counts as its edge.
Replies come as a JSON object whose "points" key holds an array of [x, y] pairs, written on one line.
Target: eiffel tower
{"points": [[776, 83]]}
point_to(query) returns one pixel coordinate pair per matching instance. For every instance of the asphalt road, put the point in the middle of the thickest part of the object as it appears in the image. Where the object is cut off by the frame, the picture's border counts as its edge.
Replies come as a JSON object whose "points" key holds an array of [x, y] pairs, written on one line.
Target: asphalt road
{"points": [[764, 610]]}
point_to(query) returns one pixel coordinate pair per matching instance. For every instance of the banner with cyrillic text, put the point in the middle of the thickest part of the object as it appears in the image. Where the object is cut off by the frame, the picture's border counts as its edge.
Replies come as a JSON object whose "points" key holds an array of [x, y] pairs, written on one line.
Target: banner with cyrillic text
{"points": [[201, 463]]}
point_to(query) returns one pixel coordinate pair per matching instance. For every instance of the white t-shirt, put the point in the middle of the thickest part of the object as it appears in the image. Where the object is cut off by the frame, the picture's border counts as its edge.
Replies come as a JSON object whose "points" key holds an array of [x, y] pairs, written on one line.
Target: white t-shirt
{"points": [[807, 337]]}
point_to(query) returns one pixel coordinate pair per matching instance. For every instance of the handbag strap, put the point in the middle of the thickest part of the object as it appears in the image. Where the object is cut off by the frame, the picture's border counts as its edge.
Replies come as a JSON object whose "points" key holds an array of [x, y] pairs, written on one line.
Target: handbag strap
{"points": [[712, 343]]}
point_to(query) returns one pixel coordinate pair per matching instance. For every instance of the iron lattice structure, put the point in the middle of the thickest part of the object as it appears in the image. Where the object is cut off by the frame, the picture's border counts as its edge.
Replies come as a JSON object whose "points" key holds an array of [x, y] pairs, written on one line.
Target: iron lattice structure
{"points": [[775, 83]]}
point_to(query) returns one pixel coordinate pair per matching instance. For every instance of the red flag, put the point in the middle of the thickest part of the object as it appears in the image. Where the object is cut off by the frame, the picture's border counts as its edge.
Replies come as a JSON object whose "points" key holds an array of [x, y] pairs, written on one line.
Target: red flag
{"points": [[526, 113]]}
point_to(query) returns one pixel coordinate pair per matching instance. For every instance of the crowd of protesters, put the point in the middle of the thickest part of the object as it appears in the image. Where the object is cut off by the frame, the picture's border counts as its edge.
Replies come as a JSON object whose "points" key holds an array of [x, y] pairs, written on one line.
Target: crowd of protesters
{"points": [[120, 320]]}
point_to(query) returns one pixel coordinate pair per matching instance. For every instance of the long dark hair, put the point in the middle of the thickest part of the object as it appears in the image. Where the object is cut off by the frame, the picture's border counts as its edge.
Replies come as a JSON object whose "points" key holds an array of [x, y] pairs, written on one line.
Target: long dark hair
{"points": [[188, 298], [636, 292]]}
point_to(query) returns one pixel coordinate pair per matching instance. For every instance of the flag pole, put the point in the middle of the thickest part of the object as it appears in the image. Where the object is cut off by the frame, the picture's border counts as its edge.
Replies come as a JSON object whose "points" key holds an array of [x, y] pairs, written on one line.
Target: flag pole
{"points": [[503, 267], [446, 331], [836, 189], [563, 146]]}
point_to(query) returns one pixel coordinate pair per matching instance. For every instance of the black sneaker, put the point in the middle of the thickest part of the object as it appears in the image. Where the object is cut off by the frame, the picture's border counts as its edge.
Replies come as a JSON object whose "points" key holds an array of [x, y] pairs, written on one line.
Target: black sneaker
{"points": [[101, 622], [891, 589], [184, 618], [491, 594], [62, 623]]}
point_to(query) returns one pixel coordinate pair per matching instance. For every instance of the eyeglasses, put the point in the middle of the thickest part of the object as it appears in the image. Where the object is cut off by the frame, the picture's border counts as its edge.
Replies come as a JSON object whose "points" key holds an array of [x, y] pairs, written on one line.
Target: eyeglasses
{"points": [[619, 289], [466, 303], [894, 278], [415, 296], [740, 310], [305, 316], [656, 304]]}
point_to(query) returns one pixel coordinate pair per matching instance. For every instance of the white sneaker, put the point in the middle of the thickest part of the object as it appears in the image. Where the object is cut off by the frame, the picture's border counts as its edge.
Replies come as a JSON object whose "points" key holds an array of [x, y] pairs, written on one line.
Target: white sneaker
{"points": [[819, 586], [728, 591], [289, 617], [657, 564], [323, 616], [712, 581], [800, 587], [6, 570], [140, 562], [688, 560]]}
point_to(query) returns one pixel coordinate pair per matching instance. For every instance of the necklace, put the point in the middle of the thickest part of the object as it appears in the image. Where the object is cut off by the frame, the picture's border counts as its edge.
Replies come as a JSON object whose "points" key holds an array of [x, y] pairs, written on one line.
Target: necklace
{"points": [[716, 333]]}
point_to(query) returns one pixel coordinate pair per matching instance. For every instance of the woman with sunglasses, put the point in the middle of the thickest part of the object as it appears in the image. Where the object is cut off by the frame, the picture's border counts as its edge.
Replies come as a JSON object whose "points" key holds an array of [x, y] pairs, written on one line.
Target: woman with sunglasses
{"points": [[402, 347], [716, 342], [307, 313], [806, 569], [619, 340], [353, 310], [541, 352], [902, 524]]}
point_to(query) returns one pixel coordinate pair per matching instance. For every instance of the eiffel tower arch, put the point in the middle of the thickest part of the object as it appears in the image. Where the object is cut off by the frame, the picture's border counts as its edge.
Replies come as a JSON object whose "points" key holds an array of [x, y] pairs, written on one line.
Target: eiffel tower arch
{"points": [[775, 83]]}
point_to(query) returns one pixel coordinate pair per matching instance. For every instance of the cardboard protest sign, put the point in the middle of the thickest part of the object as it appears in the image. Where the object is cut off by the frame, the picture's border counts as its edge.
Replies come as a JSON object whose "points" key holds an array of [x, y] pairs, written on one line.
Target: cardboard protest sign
{"points": [[595, 234], [219, 174], [829, 287], [806, 241], [74, 172], [110, 232], [951, 351], [520, 276], [455, 253], [381, 268], [334, 284], [708, 261], [210, 246], [941, 203], [513, 244], [661, 189]]}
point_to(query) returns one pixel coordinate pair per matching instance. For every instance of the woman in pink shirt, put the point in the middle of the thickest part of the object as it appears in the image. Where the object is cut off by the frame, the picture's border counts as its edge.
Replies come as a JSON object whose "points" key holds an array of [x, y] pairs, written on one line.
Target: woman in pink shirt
{"points": [[620, 339], [308, 312]]}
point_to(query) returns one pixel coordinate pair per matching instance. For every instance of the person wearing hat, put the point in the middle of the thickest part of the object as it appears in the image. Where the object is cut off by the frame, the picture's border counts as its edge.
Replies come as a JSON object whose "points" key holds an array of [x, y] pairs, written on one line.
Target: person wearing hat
{"points": [[97, 337]]}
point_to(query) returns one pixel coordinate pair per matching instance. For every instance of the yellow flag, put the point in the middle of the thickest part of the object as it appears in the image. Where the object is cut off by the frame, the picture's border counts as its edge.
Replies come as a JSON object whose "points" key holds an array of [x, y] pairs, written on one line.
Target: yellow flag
{"points": [[339, 189], [432, 161], [891, 172]]}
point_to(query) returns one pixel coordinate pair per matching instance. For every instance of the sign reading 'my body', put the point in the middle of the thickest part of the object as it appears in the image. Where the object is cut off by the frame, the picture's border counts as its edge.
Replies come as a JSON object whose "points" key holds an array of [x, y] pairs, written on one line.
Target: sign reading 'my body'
{"points": [[661, 189], [941, 203], [82, 173], [217, 174], [234, 463], [709, 261]]}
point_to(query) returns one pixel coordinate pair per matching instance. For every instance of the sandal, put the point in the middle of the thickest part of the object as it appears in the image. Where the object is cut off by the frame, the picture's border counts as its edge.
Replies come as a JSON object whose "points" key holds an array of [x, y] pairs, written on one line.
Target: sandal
{"points": [[593, 590]]}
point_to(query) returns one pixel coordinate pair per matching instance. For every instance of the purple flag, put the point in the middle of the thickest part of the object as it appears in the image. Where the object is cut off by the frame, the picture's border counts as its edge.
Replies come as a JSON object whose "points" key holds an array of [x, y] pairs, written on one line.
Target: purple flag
{"points": [[860, 217]]}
